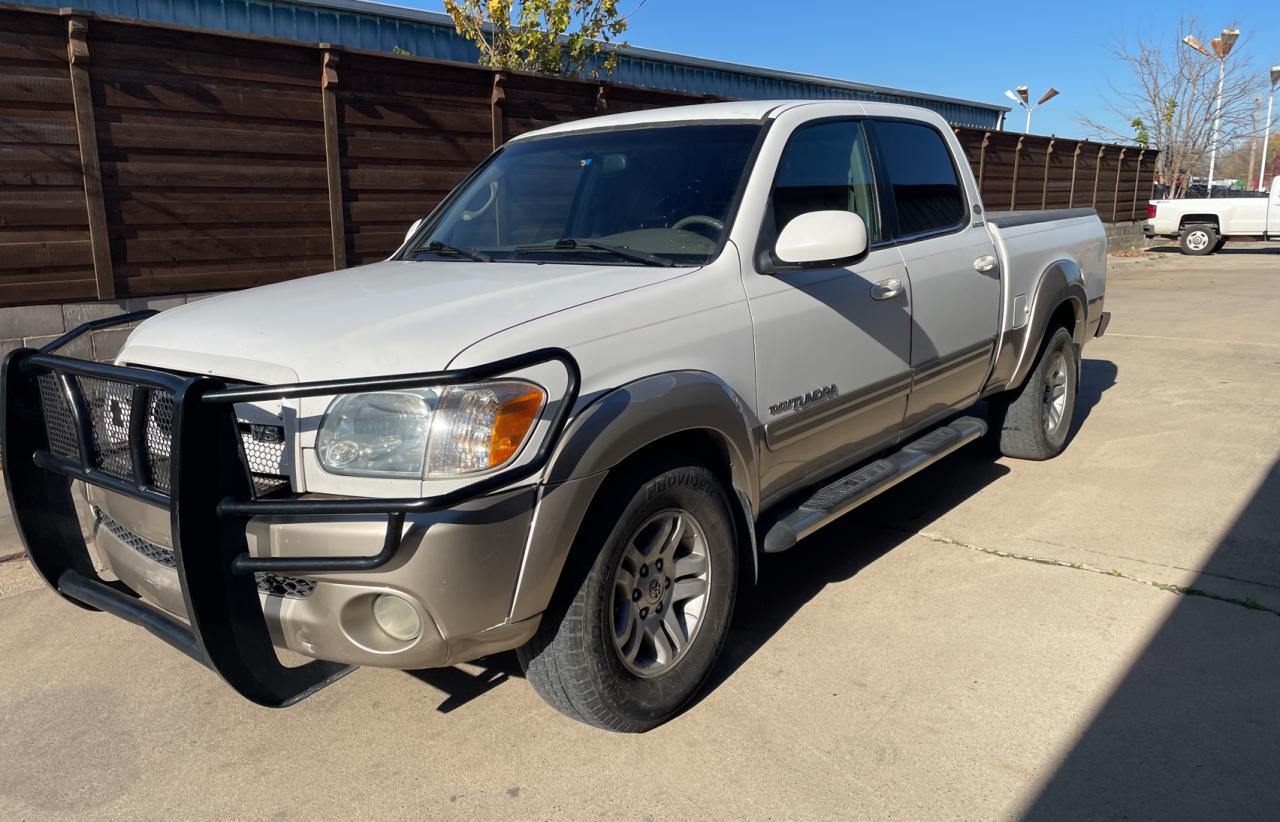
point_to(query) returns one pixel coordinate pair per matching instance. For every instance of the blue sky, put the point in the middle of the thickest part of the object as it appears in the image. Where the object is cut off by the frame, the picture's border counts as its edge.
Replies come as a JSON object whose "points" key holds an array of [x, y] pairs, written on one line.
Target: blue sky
{"points": [[969, 50]]}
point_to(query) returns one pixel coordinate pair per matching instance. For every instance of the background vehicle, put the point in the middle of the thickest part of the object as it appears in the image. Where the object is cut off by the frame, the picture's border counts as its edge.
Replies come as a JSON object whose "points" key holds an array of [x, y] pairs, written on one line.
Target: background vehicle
{"points": [[662, 342], [1203, 226]]}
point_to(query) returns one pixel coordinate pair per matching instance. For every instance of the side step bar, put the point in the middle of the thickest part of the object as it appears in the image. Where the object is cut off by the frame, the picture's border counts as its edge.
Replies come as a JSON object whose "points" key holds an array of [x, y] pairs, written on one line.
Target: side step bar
{"points": [[848, 492]]}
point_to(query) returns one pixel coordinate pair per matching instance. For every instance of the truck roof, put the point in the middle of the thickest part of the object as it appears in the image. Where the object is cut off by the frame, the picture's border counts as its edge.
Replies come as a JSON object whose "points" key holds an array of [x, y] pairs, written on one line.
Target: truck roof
{"points": [[732, 111]]}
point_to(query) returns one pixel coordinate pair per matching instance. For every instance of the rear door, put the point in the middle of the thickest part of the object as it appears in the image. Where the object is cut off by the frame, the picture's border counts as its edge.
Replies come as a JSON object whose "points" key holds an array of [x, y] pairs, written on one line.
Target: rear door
{"points": [[950, 260]]}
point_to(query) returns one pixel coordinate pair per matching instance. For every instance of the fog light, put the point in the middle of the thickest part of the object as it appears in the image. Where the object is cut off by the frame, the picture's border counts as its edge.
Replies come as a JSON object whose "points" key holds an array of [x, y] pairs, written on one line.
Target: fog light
{"points": [[396, 617]]}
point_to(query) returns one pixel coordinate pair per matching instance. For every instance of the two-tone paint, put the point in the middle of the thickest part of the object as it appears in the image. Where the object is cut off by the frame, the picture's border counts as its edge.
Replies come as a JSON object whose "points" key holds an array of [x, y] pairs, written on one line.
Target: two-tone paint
{"points": [[704, 359]]}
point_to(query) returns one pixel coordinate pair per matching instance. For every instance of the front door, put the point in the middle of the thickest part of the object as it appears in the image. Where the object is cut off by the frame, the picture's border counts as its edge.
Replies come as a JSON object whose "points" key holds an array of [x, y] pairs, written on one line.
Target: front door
{"points": [[952, 263], [831, 359]]}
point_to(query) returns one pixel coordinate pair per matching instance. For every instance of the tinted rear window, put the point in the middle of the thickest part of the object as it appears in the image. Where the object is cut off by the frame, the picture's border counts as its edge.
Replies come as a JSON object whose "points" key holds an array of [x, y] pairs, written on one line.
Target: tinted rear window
{"points": [[922, 177]]}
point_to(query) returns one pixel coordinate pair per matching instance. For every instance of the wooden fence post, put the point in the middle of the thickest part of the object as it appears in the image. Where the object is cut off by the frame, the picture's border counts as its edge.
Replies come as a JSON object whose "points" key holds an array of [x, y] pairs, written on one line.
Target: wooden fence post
{"points": [[1115, 197], [1017, 158], [333, 154], [1075, 164], [982, 160], [497, 121], [1044, 190], [1137, 180], [87, 134], [1097, 174]]}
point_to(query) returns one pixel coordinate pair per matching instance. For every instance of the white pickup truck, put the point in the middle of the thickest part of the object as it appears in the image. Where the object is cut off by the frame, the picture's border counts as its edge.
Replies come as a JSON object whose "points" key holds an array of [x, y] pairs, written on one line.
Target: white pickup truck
{"points": [[622, 359], [1203, 226]]}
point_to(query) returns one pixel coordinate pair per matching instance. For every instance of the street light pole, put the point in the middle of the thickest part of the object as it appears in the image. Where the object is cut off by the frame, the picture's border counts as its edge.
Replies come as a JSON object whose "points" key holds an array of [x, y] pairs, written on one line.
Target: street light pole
{"points": [[1262, 164], [1221, 48], [1217, 122]]}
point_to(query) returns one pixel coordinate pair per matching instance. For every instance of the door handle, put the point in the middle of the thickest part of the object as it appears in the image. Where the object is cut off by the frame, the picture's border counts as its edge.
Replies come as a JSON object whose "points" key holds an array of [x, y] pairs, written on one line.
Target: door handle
{"points": [[886, 289], [984, 264]]}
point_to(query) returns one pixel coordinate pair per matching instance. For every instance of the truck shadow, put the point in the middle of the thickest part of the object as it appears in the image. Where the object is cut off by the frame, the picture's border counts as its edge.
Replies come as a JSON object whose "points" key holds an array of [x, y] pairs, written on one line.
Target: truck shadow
{"points": [[833, 555], [1096, 376], [1226, 249], [838, 552]]}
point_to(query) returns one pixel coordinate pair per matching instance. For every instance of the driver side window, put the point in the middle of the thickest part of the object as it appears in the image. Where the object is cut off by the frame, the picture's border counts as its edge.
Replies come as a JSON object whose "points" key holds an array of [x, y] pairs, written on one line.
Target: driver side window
{"points": [[825, 167]]}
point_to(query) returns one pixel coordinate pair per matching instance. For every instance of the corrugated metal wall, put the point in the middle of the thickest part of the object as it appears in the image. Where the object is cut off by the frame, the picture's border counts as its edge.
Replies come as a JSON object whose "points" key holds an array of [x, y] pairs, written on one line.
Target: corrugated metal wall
{"points": [[426, 34]]}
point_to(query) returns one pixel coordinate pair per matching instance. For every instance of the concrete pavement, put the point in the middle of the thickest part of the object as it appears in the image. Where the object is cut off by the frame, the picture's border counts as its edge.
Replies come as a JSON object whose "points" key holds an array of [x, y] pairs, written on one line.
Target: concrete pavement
{"points": [[992, 639]]}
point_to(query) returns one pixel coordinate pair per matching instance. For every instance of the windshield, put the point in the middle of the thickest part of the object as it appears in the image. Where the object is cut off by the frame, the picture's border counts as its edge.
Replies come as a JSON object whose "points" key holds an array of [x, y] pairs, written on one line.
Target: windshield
{"points": [[657, 195]]}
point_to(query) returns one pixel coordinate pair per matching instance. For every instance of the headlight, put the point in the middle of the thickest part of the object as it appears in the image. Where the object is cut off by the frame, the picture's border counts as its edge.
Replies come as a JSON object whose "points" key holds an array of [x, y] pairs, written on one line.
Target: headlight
{"points": [[445, 432]]}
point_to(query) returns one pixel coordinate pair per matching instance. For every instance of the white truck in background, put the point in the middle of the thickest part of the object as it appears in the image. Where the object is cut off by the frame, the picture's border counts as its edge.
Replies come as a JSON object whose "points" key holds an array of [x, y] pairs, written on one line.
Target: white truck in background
{"points": [[1203, 226]]}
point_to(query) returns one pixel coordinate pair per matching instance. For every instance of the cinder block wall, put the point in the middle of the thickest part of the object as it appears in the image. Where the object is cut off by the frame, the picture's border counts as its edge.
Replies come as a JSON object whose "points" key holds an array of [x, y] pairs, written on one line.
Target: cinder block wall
{"points": [[33, 326], [1127, 236]]}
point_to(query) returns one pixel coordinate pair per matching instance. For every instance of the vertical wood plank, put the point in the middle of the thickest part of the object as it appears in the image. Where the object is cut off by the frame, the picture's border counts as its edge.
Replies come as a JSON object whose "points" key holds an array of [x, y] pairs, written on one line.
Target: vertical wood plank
{"points": [[1115, 197], [1137, 183], [497, 120], [333, 155], [982, 161], [1017, 159], [87, 135], [1075, 165], [1097, 175], [1044, 188]]}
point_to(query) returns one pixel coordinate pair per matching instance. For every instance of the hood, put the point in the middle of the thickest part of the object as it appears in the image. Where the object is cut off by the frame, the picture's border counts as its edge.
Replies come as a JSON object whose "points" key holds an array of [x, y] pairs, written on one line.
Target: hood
{"points": [[386, 318]]}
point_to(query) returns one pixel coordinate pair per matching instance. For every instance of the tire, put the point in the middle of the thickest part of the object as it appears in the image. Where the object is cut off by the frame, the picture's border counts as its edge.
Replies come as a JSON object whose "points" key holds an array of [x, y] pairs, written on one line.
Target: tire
{"points": [[1198, 240], [1033, 421], [574, 661]]}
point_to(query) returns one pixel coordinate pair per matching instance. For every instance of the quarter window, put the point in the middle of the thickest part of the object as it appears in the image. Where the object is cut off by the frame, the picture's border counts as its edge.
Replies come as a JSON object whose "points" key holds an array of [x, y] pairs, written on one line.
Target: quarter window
{"points": [[922, 177], [825, 167]]}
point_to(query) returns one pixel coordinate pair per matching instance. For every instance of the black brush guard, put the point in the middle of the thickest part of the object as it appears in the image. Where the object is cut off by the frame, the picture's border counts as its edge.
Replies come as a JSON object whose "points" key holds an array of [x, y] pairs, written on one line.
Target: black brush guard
{"points": [[210, 497]]}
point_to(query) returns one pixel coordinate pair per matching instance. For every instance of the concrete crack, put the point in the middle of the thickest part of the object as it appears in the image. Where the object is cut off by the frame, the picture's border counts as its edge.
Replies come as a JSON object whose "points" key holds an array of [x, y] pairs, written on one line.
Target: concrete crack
{"points": [[1202, 573], [1180, 590]]}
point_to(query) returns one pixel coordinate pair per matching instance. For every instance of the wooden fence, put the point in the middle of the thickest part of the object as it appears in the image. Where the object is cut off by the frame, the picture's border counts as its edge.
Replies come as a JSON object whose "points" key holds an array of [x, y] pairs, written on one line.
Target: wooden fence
{"points": [[138, 159]]}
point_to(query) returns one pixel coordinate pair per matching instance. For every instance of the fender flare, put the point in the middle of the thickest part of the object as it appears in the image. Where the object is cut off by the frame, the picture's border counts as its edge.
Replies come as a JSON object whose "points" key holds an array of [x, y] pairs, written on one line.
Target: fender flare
{"points": [[615, 425], [1059, 283]]}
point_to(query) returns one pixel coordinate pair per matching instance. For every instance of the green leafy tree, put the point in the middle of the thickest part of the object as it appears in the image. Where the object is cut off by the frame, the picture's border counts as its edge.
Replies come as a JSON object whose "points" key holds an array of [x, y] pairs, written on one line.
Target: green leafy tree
{"points": [[545, 36]]}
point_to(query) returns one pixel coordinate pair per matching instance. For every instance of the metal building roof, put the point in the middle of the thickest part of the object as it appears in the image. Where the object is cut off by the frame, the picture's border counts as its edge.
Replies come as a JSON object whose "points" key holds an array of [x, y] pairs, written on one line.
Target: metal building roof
{"points": [[381, 27]]}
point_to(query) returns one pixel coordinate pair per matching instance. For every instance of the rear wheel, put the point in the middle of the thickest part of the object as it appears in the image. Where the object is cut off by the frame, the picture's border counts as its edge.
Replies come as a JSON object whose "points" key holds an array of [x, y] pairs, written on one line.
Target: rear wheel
{"points": [[1033, 421], [637, 629], [1198, 240]]}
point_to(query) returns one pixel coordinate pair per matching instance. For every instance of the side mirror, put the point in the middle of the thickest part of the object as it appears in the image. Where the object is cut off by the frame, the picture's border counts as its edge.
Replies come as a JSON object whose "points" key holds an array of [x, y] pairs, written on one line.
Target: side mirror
{"points": [[413, 229], [820, 239]]}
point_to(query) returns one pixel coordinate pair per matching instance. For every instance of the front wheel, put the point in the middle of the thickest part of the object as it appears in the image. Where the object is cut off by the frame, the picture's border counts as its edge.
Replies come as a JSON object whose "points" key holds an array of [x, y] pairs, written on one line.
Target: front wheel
{"points": [[1033, 421], [645, 609]]}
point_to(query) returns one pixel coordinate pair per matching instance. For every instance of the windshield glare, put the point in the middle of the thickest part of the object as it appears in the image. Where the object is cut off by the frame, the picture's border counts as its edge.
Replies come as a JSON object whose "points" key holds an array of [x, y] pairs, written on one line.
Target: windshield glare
{"points": [[664, 191]]}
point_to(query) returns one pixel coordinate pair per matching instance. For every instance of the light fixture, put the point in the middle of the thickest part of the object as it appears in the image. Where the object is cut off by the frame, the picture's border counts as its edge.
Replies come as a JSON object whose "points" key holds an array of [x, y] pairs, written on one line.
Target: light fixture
{"points": [[1197, 45], [396, 617], [1022, 96], [1222, 46]]}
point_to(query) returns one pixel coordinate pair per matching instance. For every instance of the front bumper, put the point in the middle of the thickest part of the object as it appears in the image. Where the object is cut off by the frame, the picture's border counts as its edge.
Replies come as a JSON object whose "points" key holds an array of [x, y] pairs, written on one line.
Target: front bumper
{"points": [[183, 461], [457, 569]]}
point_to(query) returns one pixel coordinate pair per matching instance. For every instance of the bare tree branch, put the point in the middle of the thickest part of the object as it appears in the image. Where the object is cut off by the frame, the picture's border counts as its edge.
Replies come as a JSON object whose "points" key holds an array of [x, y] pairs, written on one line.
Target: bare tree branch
{"points": [[1170, 97]]}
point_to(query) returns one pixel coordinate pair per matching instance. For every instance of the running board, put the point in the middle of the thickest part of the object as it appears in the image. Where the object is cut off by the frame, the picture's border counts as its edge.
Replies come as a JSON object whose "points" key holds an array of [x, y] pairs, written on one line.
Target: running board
{"points": [[848, 492]]}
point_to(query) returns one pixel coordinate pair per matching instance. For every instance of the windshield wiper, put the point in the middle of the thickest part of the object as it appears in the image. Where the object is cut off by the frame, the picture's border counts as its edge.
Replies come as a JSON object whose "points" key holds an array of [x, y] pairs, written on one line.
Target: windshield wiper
{"points": [[574, 243], [437, 247]]}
